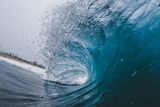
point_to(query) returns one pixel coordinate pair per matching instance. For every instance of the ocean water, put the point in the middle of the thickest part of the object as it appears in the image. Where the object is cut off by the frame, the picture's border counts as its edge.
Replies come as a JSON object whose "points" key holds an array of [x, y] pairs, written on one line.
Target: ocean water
{"points": [[101, 53]]}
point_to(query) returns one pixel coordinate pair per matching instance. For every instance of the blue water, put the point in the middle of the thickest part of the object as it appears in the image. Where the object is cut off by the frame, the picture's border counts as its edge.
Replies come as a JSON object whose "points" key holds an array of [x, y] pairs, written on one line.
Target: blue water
{"points": [[102, 53]]}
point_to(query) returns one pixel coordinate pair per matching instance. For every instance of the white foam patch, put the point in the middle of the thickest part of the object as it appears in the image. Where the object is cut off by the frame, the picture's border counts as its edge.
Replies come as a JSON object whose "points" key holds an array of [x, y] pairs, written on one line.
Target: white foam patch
{"points": [[23, 65], [66, 78]]}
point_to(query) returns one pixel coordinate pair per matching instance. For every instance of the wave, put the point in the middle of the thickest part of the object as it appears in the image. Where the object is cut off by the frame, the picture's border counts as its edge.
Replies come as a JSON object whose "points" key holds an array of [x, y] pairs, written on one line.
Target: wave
{"points": [[108, 49]]}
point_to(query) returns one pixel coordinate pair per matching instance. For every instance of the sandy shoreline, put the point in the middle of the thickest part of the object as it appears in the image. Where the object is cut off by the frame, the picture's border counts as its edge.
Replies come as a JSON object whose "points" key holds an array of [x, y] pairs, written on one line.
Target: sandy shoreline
{"points": [[13, 57]]}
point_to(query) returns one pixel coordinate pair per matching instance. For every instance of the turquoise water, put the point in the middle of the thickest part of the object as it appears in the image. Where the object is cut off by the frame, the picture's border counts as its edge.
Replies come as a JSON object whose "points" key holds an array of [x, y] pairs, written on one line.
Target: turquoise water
{"points": [[101, 53], [115, 44]]}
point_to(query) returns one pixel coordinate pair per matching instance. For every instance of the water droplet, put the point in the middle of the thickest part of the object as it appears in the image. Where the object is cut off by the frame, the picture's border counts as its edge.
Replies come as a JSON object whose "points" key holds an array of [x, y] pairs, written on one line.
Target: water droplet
{"points": [[122, 60], [134, 73]]}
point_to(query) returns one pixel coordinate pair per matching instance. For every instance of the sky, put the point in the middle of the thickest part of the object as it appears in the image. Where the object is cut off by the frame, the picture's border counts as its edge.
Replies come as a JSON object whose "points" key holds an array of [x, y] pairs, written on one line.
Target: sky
{"points": [[21, 24]]}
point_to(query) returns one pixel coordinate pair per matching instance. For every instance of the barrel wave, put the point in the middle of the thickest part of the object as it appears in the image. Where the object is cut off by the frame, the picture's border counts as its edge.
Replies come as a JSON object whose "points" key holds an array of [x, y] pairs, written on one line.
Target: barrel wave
{"points": [[103, 53], [108, 48]]}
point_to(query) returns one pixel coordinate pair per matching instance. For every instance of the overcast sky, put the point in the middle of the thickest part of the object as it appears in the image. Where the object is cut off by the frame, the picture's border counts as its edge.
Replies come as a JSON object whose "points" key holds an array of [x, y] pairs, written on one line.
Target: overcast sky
{"points": [[21, 25]]}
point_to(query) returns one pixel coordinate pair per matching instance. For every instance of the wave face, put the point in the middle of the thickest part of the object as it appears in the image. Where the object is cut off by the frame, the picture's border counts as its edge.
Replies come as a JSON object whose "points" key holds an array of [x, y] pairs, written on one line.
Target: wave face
{"points": [[105, 53]]}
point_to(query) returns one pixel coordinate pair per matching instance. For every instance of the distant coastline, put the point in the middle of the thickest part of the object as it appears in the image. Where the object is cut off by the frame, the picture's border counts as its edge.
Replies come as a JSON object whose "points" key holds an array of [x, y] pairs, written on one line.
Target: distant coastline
{"points": [[14, 57]]}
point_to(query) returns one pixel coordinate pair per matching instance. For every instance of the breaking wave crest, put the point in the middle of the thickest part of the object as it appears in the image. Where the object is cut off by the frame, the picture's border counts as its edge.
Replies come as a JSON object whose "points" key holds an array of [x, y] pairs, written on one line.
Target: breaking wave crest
{"points": [[105, 47]]}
